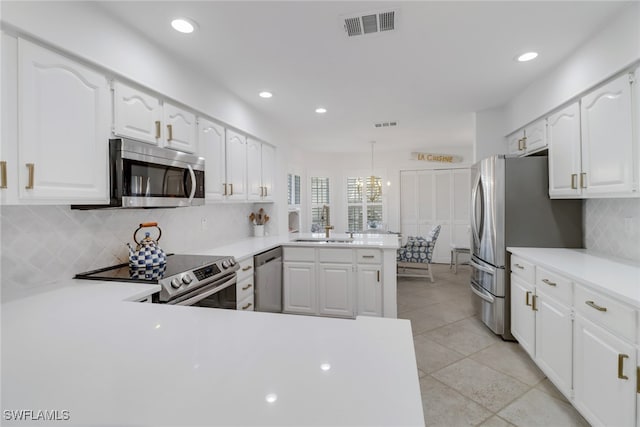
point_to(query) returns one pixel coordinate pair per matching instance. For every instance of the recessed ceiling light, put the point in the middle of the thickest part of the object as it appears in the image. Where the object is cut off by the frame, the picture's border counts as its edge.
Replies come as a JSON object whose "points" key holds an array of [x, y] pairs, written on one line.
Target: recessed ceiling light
{"points": [[271, 397], [265, 94], [527, 56], [321, 110], [184, 25]]}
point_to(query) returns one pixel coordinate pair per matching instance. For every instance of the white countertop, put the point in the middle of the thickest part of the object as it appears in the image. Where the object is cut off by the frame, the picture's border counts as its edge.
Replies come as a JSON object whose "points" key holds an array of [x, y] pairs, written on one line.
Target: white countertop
{"points": [[616, 278], [85, 349]]}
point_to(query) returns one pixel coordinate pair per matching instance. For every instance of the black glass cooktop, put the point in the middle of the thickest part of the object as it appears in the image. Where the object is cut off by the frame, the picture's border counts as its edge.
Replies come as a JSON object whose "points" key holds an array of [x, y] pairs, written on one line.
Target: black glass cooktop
{"points": [[175, 264]]}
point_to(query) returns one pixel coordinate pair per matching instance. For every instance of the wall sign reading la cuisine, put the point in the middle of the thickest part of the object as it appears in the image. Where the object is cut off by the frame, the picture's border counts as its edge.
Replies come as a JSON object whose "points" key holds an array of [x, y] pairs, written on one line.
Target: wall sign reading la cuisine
{"points": [[439, 158]]}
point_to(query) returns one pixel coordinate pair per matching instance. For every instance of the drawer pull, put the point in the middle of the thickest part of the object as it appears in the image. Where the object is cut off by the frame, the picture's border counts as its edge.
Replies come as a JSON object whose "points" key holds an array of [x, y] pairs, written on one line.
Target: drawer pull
{"points": [[247, 268], [596, 306], [621, 358], [583, 179], [225, 189], [534, 298], [170, 129], [244, 288], [368, 256], [519, 266], [548, 282], [247, 306], [527, 298]]}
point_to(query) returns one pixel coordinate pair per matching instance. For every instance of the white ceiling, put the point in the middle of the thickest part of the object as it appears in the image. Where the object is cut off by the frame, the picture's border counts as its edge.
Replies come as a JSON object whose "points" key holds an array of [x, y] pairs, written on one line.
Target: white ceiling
{"points": [[444, 61]]}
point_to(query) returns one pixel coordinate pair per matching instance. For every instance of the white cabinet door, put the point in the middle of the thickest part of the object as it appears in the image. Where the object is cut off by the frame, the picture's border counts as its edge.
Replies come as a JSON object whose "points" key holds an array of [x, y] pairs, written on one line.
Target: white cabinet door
{"points": [[460, 198], [137, 115], [564, 152], [522, 316], [443, 213], [211, 144], [254, 170], [335, 286], [601, 396], [268, 171], [553, 343], [9, 109], [180, 128], [369, 290], [236, 166], [63, 129], [299, 287], [535, 136], [515, 143], [607, 144]]}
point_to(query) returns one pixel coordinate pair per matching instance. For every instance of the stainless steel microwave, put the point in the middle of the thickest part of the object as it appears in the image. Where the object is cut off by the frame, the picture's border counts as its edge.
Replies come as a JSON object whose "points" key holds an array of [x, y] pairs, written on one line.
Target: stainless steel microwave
{"points": [[146, 176]]}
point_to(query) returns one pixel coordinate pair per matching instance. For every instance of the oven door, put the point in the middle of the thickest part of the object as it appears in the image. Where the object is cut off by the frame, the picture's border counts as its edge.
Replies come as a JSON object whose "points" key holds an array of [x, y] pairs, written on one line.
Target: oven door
{"points": [[218, 294]]}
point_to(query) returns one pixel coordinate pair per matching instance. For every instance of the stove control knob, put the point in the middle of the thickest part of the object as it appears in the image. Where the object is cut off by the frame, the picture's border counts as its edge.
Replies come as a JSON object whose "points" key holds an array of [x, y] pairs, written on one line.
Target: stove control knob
{"points": [[176, 283], [225, 264], [186, 279], [232, 262]]}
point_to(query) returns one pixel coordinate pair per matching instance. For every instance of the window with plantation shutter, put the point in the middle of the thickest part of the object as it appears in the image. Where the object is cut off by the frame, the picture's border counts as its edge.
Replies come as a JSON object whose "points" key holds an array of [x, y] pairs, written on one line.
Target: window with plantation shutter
{"points": [[320, 207], [364, 203]]}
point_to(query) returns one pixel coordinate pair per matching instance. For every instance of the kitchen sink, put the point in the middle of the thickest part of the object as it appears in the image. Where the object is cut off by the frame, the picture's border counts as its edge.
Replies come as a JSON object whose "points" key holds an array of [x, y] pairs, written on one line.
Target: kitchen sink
{"points": [[324, 240]]}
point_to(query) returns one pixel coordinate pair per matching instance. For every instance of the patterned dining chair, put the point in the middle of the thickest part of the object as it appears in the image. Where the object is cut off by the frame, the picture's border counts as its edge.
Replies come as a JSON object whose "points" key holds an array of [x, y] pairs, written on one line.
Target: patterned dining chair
{"points": [[414, 257]]}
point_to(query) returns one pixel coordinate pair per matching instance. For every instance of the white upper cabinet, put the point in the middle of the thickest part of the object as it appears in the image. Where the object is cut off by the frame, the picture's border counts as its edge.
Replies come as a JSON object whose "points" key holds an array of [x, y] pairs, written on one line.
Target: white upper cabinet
{"points": [[181, 129], [515, 144], [607, 140], [211, 144], [260, 170], [268, 171], [137, 115], [63, 129], [9, 138], [564, 152], [528, 140], [236, 182]]}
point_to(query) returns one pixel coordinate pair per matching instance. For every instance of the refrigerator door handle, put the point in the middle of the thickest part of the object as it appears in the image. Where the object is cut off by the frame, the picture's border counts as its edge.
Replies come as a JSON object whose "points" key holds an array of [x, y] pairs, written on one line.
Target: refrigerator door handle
{"points": [[482, 268], [483, 294], [474, 201]]}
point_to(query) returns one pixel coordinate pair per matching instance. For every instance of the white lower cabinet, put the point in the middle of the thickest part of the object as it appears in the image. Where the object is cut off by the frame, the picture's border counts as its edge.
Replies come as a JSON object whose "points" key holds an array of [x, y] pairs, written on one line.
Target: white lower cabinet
{"points": [[335, 286], [245, 285], [369, 290], [299, 287], [522, 315]]}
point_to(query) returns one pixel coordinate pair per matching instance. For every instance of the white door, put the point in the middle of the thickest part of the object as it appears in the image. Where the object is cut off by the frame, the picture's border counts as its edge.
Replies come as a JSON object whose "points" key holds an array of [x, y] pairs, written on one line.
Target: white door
{"points": [[211, 144], [299, 287], [600, 360], [535, 136], [180, 129], [254, 170], [564, 152], [335, 286], [369, 290], [443, 205], [63, 129], [522, 314], [461, 199], [137, 115], [236, 166], [554, 334], [9, 109], [607, 142], [408, 206], [268, 170]]}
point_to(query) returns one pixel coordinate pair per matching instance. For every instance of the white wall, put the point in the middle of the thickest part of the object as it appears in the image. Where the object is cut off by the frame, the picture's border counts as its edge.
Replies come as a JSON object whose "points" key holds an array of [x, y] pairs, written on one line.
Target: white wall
{"points": [[491, 128]]}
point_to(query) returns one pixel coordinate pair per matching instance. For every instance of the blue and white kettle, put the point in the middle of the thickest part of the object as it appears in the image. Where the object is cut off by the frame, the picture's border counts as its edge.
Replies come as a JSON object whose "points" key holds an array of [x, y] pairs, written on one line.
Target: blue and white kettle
{"points": [[147, 252]]}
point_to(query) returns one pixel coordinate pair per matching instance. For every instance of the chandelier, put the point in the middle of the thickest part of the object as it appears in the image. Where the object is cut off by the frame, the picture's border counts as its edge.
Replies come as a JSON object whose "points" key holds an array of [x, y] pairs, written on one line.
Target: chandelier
{"points": [[372, 184]]}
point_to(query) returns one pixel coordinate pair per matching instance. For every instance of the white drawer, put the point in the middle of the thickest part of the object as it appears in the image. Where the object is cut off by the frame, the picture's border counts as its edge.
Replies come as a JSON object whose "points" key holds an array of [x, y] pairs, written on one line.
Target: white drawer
{"points": [[299, 254], [244, 288], [246, 268], [523, 269], [335, 255], [554, 285], [613, 315], [368, 256], [246, 304]]}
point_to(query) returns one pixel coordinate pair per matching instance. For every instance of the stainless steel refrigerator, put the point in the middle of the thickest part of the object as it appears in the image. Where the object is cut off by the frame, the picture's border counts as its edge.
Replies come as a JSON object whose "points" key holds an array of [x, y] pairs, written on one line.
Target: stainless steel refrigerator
{"points": [[510, 206]]}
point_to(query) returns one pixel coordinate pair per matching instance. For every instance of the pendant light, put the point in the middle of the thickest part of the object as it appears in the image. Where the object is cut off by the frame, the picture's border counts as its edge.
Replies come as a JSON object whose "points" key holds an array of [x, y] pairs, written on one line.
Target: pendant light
{"points": [[374, 184]]}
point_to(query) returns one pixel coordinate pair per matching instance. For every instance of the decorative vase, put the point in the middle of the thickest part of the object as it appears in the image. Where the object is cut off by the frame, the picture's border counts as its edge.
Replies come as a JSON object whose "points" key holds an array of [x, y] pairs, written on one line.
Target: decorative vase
{"points": [[258, 230]]}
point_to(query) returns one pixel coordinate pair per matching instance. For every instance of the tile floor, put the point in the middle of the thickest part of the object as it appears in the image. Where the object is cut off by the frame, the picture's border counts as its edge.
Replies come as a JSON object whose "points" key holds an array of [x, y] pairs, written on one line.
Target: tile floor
{"points": [[468, 375]]}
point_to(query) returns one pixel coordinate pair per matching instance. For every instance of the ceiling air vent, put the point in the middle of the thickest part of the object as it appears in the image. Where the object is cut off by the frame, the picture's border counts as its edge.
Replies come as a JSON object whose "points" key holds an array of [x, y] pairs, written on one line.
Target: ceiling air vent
{"points": [[386, 124], [370, 22]]}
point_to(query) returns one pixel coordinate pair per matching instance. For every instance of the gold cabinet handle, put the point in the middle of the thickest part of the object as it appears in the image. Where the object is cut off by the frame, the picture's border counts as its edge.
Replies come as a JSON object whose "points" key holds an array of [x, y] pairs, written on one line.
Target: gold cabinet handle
{"points": [[3, 174], [638, 380], [31, 167], [520, 144], [574, 181], [583, 180], [231, 186], [261, 191], [519, 266], [247, 268], [247, 306], [524, 142], [534, 298], [378, 275], [528, 294], [244, 288], [170, 130], [157, 129], [621, 358], [549, 282], [266, 192], [596, 306], [225, 189]]}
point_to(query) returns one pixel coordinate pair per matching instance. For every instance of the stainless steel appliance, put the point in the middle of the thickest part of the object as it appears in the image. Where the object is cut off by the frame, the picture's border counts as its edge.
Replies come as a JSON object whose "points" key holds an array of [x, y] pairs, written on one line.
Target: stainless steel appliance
{"points": [[146, 176], [195, 280], [510, 206], [268, 281]]}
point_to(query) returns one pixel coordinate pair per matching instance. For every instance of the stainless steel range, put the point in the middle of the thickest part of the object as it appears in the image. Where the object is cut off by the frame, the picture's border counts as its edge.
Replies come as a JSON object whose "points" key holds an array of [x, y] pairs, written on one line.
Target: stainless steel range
{"points": [[196, 280]]}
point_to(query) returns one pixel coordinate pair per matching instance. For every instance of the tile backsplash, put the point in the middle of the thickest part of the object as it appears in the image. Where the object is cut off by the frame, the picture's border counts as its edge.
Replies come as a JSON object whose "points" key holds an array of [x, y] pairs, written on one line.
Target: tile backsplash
{"points": [[42, 245], [612, 227]]}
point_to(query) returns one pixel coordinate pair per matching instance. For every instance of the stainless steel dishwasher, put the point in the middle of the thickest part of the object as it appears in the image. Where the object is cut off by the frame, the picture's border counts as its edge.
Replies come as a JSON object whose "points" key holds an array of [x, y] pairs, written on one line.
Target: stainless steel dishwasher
{"points": [[268, 281]]}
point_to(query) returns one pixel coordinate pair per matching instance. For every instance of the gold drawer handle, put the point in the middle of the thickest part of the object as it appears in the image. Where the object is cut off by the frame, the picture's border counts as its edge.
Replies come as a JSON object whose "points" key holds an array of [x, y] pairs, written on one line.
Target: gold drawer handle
{"points": [[548, 282], [596, 306], [247, 306], [519, 266], [247, 268], [244, 288], [527, 298], [31, 167], [621, 358], [3, 174]]}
